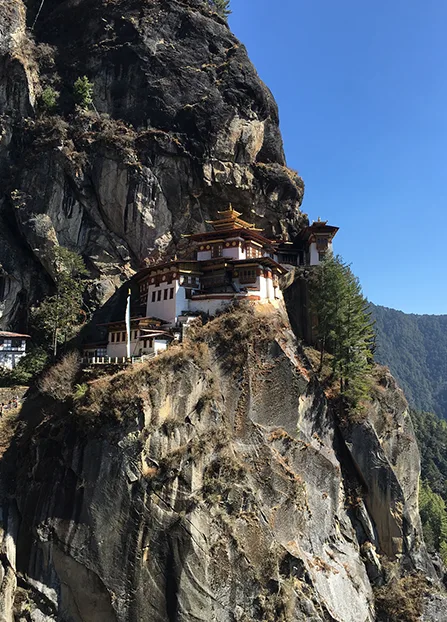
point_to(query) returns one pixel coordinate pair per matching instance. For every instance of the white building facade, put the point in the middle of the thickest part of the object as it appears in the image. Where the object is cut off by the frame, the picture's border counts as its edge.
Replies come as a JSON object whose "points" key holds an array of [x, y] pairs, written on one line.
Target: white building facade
{"points": [[232, 262], [12, 348]]}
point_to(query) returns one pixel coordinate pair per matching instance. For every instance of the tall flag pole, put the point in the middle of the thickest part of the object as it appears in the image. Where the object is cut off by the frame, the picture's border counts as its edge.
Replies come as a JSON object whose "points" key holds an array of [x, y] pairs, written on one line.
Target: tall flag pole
{"points": [[128, 324]]}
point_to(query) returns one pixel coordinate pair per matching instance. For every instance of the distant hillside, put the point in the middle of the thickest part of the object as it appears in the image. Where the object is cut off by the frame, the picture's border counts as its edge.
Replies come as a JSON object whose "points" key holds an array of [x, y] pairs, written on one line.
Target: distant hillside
{"points": [[415, 349]]}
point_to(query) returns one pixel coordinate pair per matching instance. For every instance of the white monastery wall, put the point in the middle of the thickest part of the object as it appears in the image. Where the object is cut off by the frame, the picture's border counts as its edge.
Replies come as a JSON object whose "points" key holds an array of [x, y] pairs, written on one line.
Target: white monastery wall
{"points": [[270, 289], [234, 252], [10, 359], [181, 304], [261, 283], [164, 305], [160, 345], [11, 354], [120, 349], [208, 306], [277, 294], [313, 254]]}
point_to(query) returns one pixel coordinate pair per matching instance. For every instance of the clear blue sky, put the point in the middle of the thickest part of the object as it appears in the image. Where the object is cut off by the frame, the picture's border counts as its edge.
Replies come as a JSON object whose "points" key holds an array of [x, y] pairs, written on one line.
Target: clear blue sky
{"points": [[362, 94]]}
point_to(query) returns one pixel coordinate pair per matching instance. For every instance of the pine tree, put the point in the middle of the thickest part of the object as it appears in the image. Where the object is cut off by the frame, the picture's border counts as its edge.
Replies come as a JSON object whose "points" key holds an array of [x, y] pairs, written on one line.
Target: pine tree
{"points": [[58, 317], [432, 509], [343, 327], [83, 92], [221, 6]]}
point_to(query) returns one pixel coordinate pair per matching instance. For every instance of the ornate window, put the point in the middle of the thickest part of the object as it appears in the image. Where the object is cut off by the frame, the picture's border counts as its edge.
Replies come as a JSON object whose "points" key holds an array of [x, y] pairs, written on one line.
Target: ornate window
{"points": [[247, 275], [322, 244]]}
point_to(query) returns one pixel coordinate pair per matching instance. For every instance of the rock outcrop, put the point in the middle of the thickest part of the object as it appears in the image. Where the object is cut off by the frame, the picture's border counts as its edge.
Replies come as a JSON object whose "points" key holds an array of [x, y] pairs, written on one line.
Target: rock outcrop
{"points": [[213, 483], [216, 482], [181, 126]]}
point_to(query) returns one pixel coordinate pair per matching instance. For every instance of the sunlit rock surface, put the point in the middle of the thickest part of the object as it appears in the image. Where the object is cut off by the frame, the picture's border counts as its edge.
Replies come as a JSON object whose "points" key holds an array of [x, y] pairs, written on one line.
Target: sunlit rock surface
{"points": [[214, 483]]}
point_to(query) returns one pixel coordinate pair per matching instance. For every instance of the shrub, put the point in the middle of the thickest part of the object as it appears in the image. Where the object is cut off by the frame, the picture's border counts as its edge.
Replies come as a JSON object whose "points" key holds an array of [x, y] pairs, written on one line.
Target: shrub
{"points": [[59, 380], [83, 92], [401, 600], [80, 391], [222, 7], [26, 370], [49, 99]]}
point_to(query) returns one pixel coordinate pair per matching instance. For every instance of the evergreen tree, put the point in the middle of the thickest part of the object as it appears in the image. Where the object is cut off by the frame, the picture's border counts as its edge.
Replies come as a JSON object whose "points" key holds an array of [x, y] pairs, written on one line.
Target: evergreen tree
{"points": [[342, 327], [59, 317], [49, 99], [221, 6], [83, 92], [434, 520]]}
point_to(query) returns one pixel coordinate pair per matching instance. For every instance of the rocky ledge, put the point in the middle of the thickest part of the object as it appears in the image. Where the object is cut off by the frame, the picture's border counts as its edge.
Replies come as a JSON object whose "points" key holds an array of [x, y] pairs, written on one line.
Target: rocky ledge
{"points": [[215, 482]]}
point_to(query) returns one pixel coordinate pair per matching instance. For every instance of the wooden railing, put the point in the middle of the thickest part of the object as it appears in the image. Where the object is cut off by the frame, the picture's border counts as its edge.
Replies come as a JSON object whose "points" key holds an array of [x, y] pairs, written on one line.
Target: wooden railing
{"points": [[116, 360]]}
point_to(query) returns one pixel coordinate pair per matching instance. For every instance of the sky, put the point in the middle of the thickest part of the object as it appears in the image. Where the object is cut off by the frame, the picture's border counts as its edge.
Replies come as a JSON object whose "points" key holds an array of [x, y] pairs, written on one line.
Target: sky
{"points": [[362, 93]]}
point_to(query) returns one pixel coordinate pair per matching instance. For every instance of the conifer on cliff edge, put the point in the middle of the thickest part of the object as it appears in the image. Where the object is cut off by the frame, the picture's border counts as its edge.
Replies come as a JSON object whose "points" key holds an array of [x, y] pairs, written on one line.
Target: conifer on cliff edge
{"points": [[343, 327]]}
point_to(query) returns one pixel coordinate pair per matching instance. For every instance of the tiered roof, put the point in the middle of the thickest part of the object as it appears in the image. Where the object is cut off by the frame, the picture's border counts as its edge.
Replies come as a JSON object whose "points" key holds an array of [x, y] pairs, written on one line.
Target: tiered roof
{"points": [[318, 227], [231, 225], [231, 220]]}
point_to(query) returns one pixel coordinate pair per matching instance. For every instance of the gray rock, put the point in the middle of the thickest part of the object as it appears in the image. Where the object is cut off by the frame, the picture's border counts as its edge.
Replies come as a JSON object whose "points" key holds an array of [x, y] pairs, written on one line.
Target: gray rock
{"points": [[222, 494], [186, 127]]}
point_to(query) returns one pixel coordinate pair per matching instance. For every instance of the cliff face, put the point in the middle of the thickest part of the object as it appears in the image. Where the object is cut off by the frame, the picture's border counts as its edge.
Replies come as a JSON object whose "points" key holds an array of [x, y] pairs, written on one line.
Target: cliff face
{"points": [[182, 127], [214, 483], [217, 481]]}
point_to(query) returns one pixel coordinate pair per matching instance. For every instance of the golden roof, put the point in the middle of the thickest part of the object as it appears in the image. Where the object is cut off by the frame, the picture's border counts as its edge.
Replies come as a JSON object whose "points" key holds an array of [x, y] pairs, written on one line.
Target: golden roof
{"points": [[231, 220]]}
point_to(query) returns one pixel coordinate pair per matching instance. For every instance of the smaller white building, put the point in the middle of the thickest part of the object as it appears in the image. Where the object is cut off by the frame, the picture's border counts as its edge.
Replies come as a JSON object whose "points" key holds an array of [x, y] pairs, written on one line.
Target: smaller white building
{"points": [[147, 338], [12, 348], [318, 237]]}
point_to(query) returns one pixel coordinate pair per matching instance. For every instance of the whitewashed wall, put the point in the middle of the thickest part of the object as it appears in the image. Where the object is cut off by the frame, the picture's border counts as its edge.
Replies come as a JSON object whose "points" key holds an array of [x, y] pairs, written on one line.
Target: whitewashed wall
{"points": [[234, 252], [208, 306], [313, 253], [10, 359], [163, 309]]}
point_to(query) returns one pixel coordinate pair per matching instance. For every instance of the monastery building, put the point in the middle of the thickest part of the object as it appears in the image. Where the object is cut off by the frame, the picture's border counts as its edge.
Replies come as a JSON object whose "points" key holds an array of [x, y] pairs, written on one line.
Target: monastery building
{"points": [[233, 261]]}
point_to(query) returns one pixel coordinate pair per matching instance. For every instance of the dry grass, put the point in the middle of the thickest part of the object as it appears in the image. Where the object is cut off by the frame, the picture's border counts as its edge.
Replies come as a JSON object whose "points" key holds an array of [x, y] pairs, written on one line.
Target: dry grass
{"points": [[231, 336], [401, 599], [120, 397], [58, 382], [238, 331]]}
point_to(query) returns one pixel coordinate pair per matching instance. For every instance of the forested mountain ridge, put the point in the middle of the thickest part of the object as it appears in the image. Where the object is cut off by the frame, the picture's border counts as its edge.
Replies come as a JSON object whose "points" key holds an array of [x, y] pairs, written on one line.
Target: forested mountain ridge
{"points": [[414, 347]]}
